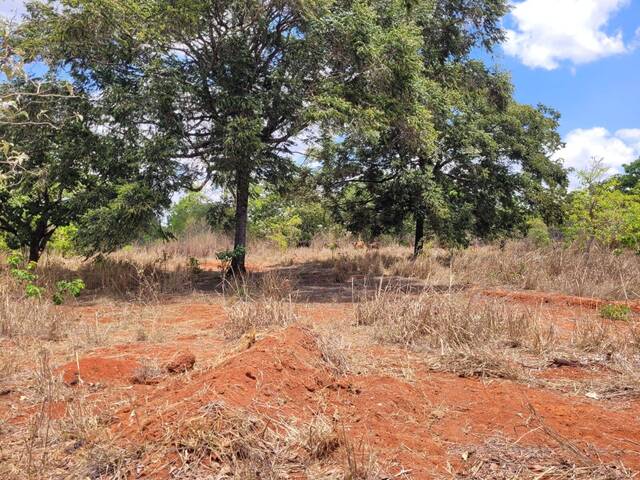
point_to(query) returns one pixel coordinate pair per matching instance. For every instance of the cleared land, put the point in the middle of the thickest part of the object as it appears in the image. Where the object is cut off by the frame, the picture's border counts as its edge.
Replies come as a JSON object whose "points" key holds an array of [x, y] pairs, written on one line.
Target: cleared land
{"points": [[326, 363]]}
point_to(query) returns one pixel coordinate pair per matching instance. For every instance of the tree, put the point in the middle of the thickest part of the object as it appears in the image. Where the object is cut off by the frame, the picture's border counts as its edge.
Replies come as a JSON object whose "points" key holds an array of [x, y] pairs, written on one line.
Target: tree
{"points": [[630, 179], [59, 176], [191, 210], [603, 211], [231, 81], [483, 161]]}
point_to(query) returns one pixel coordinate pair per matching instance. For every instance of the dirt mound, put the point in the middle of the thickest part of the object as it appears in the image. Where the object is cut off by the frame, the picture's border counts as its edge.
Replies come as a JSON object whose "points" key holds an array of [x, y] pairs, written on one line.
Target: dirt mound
{"points": [[99, 370], [181, 362], [409, 423]]}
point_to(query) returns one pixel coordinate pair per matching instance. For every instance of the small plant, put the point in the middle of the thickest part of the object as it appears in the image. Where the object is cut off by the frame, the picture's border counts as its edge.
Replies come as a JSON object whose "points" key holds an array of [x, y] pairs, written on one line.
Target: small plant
{"points": [[614, 311], [193, 264], [25, 275], [227, 256], [66, 288]]}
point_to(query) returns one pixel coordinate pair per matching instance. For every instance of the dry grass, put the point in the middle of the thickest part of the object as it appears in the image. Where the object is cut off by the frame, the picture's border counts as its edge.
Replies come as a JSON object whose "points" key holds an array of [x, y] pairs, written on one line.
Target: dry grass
{"points": [[249, 317], [476, 338], [240, 444], [518, 264], [333, 352], [22, 317], [271, 285], [502, 459], [456, 334], [449, 322], [602, 273]]}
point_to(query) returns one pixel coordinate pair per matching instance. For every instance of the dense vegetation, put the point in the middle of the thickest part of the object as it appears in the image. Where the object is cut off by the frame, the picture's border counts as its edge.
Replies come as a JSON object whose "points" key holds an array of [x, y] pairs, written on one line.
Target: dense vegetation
{"points": [[298, 118]]}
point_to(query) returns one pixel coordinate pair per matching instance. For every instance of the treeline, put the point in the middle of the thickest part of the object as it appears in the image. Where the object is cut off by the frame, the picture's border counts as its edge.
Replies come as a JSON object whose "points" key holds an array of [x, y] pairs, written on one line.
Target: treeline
{"points": [[372, 116]]}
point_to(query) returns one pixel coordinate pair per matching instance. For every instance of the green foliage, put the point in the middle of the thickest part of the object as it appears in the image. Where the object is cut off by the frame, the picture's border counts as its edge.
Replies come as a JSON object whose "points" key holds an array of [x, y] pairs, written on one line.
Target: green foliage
{"points": [[193, 264], [25, 274], [63, 241], [538, 232], [630, 179], [615, 312], [601, 211], [228, 255], [191, 210], [287, 219], [412, 133], [65, 289]]}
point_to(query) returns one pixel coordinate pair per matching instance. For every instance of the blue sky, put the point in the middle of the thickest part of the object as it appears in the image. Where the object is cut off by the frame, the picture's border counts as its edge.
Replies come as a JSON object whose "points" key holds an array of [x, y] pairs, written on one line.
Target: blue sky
{"points": [[581, 57]]}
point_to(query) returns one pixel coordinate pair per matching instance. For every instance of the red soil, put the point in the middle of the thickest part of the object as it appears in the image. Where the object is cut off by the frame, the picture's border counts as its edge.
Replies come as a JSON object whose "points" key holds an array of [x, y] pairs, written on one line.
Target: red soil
{"points": [[537, 298], [411, 424], [99, 370]]}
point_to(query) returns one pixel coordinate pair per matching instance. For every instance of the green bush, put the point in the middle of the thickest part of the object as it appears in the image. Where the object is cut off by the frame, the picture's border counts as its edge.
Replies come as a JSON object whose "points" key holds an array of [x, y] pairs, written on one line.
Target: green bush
{"points": [[63, 241], [615, 312], [286, 221], [538, 232], [26, 276]]}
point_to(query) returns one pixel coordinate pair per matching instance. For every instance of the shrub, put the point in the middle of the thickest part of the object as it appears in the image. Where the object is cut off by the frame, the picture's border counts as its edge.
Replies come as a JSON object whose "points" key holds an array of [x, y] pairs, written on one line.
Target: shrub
{"points": [[613, 311], [538, 232]]}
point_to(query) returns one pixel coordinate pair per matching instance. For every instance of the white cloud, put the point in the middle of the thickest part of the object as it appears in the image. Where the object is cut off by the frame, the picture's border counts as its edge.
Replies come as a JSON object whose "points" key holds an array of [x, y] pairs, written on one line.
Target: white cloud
{"points": [[616, 149], [12, 9], [549, 32]]}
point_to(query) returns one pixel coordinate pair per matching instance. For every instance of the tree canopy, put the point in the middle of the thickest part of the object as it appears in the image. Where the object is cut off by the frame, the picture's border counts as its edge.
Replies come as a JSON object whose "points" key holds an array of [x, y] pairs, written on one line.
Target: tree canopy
{"points": [[411, 132]]}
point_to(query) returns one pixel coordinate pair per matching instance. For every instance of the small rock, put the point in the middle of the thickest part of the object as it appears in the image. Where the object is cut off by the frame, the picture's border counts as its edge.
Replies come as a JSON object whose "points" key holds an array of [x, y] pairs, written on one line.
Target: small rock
{"points": [[181, 363]]}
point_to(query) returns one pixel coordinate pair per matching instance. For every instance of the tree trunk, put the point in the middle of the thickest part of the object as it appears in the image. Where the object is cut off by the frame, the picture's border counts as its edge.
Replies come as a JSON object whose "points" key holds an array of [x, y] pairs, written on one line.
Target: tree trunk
{"points": [[34, 249], [242, 210], [38, 241], [419, 240]]}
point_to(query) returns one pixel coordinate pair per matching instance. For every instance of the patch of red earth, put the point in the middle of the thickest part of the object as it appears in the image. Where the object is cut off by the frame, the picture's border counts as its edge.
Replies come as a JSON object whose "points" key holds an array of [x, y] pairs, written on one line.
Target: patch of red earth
{"points": [[112, 371], [52, 410], [413, 425], [538, 298], [572, 373], [209, 313], [322, 313]]}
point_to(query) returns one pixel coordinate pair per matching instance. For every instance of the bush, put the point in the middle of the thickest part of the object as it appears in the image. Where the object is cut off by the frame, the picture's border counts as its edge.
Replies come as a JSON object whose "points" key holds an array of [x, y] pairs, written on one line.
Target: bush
{"points": [[615, 312], [63, 241], [538, 232]]}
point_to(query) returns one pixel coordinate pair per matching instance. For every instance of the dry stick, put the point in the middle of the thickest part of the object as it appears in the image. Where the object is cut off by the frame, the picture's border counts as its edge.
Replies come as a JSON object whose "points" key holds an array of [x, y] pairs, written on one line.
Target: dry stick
{"points": [[562, 442]]}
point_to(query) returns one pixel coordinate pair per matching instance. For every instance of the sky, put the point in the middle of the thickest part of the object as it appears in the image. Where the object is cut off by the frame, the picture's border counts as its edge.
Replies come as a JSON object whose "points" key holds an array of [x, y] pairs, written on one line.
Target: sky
{"points": [[581, 57]]}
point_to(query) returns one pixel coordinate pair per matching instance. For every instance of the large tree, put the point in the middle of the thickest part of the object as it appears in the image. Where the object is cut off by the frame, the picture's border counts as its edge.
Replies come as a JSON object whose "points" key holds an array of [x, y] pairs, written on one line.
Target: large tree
{"points": [[483, 161], [232, 81], [65, 170]]}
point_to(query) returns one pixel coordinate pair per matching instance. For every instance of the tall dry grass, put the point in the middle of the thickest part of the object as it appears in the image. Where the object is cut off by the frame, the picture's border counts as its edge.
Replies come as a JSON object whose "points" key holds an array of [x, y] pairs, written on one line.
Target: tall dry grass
{"points": [[601, 273], [475, 337], [567, 269], [22, 317]]}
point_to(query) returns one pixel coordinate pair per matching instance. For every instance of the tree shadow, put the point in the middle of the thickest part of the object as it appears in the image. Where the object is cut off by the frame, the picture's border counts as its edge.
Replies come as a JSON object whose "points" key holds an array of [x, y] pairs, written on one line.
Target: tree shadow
{"points": [[313, 281], [318, 281]]}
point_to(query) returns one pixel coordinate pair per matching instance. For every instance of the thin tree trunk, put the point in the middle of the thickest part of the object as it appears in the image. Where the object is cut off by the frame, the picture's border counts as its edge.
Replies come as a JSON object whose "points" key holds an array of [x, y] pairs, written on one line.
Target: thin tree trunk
{"points": [[419, 240], [242, 210]]}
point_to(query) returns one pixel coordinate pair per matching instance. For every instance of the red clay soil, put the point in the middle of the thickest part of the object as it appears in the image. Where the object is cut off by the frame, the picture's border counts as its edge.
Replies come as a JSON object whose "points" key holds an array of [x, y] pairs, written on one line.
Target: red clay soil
{"points": [[411, 425], [538, 298], [101, 370]]}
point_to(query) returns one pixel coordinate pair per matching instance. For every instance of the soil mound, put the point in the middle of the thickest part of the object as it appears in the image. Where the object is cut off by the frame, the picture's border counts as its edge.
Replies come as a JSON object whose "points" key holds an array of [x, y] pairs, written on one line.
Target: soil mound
{"points": [[99, 370]]}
